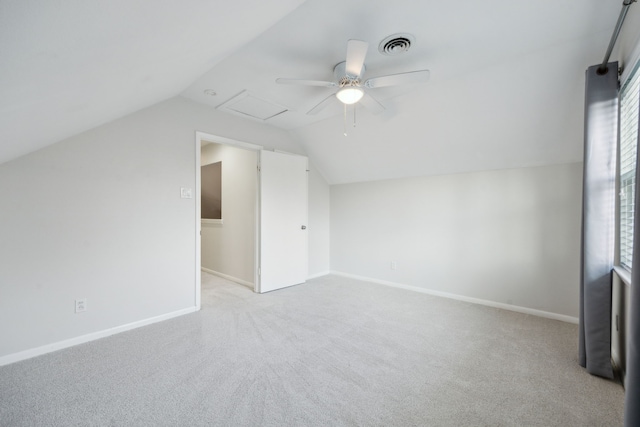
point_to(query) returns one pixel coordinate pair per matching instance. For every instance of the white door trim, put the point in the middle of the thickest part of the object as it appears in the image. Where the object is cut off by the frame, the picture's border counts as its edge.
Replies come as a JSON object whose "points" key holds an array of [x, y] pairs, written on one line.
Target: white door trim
{"points": [[200, 137]]}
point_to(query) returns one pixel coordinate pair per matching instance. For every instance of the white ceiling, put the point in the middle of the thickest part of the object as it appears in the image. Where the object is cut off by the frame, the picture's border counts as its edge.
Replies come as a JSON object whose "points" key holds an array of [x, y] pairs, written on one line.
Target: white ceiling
{"points": [[505, 90], [70, 65]]}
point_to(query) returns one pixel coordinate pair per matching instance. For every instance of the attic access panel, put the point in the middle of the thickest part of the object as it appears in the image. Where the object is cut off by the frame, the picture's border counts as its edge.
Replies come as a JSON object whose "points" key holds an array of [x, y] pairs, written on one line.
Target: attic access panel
{"points": [[248, 105]]}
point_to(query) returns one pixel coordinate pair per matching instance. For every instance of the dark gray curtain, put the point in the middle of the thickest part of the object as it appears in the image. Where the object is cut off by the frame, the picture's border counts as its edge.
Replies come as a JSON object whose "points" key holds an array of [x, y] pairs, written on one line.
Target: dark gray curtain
{"points": [[598, 219], [632, 381]]}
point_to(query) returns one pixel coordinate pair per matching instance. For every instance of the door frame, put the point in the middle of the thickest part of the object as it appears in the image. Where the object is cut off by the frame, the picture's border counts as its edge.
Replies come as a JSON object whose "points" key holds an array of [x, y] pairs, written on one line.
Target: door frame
{"points": [[199, 138]]}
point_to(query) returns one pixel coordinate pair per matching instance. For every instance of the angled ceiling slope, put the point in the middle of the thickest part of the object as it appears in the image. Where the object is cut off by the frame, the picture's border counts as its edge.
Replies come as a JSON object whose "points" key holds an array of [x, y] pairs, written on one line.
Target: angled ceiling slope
{"points": [[68, 66]]}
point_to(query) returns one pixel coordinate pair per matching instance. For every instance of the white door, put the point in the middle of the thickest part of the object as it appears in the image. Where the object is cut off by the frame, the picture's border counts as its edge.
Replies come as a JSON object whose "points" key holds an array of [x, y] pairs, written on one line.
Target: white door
{"points": [[283, 221]]}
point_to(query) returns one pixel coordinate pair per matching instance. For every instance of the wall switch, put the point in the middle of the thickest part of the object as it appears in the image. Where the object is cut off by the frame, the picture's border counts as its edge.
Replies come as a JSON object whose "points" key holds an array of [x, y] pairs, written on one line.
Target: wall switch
{"points": [[186, 193], [394, 265], [81, 305]]}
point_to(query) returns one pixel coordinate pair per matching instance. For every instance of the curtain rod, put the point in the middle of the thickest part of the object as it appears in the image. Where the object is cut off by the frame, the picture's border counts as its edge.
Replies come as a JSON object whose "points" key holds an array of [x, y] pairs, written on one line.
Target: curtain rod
{"points": [[623, 13]]}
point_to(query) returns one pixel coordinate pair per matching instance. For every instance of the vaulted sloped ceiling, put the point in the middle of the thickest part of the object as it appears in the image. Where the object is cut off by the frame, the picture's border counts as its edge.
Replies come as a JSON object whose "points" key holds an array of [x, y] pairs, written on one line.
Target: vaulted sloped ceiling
{"points": [[506, 86], [70, 65]]}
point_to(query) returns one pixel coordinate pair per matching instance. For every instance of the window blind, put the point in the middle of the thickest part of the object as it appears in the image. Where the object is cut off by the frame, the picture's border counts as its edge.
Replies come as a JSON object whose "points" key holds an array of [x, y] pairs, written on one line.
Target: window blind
{"points": [[628, 148]]}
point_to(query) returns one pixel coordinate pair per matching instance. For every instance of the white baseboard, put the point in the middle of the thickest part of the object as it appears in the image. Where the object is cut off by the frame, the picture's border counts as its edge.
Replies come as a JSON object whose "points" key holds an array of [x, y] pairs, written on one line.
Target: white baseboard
{"points": [[516, 308], [38, 351], [226, 276], [316, 275]]}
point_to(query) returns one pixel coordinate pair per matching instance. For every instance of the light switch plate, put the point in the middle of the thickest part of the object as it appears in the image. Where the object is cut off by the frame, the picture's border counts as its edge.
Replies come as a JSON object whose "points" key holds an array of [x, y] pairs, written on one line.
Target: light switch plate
{"points": [[186, 193]]}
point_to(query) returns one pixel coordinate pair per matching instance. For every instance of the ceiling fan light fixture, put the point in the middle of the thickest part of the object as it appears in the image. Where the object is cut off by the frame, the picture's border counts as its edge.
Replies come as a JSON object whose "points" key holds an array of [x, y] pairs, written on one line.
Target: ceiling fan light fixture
{"points": [[350, 95]]}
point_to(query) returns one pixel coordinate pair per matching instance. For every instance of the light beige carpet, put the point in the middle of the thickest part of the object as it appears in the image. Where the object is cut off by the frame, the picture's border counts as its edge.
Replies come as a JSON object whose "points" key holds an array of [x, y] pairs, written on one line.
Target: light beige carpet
{"points": [[332, 352]]}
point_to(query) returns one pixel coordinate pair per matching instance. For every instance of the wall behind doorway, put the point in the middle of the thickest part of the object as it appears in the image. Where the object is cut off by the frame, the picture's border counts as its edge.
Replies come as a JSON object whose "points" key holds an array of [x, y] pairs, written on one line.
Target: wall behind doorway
{"points": [[229, 248]]}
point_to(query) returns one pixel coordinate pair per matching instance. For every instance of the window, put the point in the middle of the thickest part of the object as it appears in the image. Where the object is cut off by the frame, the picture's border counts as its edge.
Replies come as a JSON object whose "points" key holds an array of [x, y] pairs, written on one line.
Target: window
{"points": [[628, 149]]}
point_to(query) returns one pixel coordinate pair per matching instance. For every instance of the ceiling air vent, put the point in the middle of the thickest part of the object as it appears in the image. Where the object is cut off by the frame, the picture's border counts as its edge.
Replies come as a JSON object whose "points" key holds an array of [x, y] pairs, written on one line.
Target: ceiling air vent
{"points": [[395, 44]]}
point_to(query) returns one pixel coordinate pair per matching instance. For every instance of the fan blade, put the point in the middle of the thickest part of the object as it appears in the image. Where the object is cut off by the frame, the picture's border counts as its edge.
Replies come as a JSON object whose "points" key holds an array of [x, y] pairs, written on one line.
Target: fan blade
{"points": [[371, 104], [356, 52], [321, 105], [398, 79], [305, 82]]}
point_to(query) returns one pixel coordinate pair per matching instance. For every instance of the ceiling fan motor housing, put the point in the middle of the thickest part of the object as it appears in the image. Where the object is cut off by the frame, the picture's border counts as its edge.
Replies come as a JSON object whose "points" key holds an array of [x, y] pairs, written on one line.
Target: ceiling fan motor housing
{"points": [[340, 74]]}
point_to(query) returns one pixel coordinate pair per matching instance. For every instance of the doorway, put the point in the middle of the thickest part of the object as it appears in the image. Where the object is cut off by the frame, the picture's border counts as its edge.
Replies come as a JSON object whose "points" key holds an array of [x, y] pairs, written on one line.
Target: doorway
{"points": [[229, 217], [274, 215], [235, 152]]}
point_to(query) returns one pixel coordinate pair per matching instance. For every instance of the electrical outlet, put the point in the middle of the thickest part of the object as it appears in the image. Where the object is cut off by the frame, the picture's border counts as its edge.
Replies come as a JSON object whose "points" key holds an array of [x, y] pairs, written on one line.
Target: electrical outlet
{"points": [[394, 265], [81, 305]]}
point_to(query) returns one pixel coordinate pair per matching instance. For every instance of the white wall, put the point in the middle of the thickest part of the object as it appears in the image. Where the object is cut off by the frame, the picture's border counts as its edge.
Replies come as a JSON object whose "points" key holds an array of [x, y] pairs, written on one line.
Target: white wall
{"points": [[318, 227], [507, 236], [229, 248], [99, 216]]}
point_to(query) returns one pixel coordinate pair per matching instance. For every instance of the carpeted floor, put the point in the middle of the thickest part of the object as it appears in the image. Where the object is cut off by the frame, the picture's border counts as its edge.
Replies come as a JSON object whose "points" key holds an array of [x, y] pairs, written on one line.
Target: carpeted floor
{"points": [[332, 352]]}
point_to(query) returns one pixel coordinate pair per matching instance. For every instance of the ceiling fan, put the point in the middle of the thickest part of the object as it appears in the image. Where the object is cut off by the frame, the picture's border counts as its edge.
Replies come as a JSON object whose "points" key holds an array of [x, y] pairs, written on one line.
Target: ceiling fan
{"points": [[348, 79]]}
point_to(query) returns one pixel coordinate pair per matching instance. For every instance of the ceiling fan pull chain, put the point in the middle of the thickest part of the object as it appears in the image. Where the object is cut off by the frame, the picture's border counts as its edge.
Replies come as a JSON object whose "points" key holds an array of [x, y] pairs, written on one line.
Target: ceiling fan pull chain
{"points": [[354, 115], [345, 119]]}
